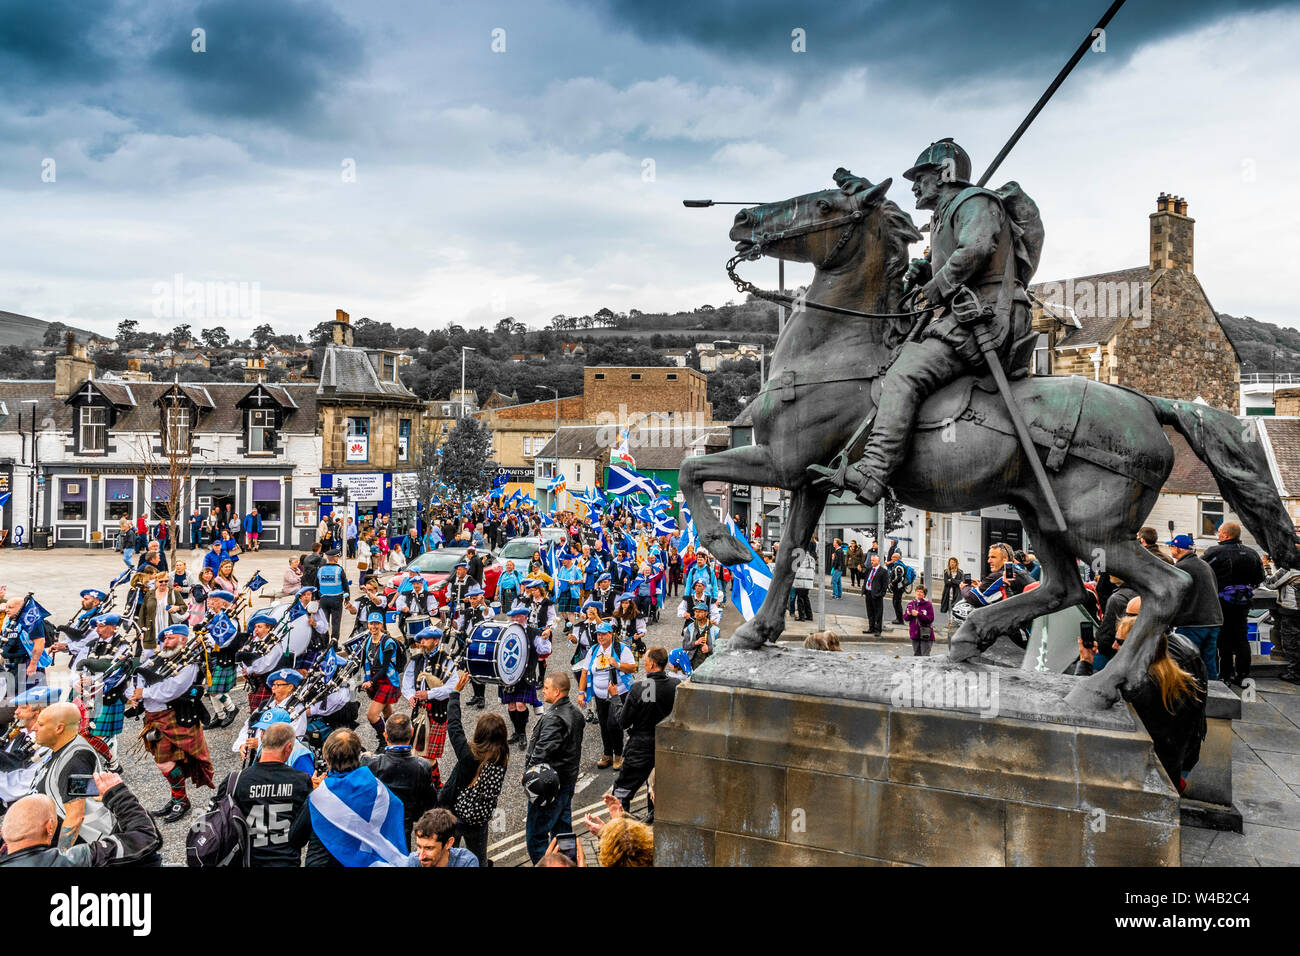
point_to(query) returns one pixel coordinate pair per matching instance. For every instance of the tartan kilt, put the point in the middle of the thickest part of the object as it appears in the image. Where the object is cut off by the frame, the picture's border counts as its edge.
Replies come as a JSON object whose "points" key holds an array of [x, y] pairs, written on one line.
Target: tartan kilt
{"points": [[259, 692], [566, 603], [382, 692], [185, 745], [437, 741], [223, 678], [110, 720], [521, 693]]}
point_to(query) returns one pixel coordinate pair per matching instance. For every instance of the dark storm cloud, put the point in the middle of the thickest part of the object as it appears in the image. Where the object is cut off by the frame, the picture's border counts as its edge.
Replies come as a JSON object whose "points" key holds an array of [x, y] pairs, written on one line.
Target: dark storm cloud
{"points": [[929, 43], [263, 60], [55, 41]]}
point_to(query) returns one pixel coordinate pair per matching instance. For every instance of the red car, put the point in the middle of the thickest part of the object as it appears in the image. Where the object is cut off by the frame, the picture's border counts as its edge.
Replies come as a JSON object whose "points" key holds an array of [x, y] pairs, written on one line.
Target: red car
{"points": [[437, 566]]}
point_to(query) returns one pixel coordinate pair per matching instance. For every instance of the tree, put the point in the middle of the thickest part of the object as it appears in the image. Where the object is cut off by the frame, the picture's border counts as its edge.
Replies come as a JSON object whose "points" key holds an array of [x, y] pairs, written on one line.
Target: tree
{"points": [[464, 466], [216, 337], [54, 335], [321, 334], [16, 362], [264, 333], [180, 335], [893, 513], [127, 332], [428, 480]]}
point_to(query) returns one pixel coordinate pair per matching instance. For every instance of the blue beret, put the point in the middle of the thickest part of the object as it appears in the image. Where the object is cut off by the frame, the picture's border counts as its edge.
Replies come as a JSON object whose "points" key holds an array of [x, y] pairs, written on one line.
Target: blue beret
{"points": [[182, 629], [604, 577], [429, 631], [305, 589], [523, 609], [590, 604], [261, 617], [473, 592], [40, 696], [286, 674], [105, 619], [701, 606], [566, 557], [272, 715], [223, 595], [627, 596], [461, 565], [604, 627], [95, 593]]}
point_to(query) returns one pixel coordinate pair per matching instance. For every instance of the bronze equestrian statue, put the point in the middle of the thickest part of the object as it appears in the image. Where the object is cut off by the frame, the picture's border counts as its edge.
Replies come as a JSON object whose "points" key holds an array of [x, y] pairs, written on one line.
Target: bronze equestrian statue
{"points": [[941, 435]]}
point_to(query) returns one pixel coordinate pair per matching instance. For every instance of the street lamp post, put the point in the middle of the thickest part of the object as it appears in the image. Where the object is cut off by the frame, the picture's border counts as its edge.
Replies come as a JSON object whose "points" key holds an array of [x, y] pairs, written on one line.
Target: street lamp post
{"points": [[463, 350], [31, 483], [555, 437]]}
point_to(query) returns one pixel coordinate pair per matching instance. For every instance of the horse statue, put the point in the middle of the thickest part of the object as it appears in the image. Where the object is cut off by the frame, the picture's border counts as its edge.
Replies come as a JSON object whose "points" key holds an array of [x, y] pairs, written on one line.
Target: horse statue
{"points": [[1102, 445]]}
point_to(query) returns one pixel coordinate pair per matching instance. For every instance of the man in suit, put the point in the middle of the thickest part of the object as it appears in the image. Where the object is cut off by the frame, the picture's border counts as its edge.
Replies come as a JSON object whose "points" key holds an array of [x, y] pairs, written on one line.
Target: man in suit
{"points": [[875, 589]]}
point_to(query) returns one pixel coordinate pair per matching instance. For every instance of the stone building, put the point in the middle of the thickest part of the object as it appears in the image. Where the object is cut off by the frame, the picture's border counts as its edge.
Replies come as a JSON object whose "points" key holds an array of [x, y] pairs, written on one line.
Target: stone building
{"points": [[625, 392], [370, 425], [1150, 327]]}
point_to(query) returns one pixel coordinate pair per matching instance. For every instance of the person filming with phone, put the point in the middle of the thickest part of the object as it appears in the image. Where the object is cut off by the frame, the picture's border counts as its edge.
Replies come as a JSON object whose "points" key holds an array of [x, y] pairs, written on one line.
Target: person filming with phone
{"points": [[32, 822], [1003, 576]]}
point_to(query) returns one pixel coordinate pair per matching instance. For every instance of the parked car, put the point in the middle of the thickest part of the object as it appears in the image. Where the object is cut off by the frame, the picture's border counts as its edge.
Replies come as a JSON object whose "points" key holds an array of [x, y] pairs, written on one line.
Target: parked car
{"points": [[437, 566], [520, 551]]}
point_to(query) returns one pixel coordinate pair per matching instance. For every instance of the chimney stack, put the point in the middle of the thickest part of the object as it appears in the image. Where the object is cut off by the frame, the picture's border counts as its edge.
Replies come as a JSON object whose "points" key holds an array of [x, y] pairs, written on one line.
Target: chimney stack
{"points": [[72, 368], [1172, 233], [342, 328]]}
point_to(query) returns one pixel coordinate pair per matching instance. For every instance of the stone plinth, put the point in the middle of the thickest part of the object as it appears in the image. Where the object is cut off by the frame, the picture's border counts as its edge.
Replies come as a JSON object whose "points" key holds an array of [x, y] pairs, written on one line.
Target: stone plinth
{"points": [[787, 757]]}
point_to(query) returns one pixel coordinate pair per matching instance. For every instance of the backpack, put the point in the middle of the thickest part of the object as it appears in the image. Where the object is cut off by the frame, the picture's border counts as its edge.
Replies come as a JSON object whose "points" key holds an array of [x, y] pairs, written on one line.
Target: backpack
{"points": [[909, 575], [221, 838]]}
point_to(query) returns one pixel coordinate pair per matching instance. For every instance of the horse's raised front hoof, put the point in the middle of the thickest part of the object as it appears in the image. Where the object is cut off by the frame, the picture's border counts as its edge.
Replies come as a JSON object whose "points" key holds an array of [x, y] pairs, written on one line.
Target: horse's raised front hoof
{"points": [[1092, 694], [749, 636], [728, 550]]}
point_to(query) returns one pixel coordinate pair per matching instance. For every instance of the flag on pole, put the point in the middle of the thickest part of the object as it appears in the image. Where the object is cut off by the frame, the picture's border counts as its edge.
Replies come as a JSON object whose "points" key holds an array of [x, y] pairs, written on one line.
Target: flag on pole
{"points": [[689, 535], [256, 582], [30, 618], [750, 581], [621, 455]]}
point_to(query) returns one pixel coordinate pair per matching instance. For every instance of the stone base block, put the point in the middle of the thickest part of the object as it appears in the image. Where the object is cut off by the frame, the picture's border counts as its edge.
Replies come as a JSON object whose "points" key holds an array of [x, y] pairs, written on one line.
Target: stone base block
{"points": [[790, 757]]}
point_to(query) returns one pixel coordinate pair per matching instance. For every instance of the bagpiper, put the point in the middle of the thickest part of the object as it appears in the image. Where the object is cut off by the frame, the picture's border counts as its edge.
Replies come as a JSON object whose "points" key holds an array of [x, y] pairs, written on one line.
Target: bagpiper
{"points": [[473, 610], [428, 682]]}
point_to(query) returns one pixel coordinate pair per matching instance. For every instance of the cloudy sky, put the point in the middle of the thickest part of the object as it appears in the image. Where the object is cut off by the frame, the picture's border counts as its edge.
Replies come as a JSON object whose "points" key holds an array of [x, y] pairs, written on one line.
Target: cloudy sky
{"points": [[384, 158]]}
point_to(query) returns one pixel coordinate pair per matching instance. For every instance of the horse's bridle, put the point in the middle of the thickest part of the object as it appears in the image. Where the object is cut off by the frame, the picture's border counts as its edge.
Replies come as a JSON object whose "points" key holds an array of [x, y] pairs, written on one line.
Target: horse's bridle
{"points": [[850, 222]]}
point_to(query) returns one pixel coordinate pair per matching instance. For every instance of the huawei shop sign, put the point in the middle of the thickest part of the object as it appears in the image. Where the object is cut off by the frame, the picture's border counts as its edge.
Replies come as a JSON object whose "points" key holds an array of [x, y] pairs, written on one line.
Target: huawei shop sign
{"points": [[358, 448]]}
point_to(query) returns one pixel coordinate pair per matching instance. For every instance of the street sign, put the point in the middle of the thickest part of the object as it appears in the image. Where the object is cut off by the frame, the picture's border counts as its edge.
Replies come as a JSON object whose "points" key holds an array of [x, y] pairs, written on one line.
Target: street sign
{"points": [[340, 495]]}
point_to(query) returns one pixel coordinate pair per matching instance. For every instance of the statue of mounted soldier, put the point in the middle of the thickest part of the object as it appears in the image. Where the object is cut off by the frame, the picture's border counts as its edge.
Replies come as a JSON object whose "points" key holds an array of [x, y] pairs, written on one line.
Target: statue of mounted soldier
{"points": [[910, 376]]}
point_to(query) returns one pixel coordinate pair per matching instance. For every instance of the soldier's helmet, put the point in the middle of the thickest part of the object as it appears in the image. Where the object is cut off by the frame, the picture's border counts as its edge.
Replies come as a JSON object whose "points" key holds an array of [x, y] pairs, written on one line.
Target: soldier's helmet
{"points": [[943, 155]]}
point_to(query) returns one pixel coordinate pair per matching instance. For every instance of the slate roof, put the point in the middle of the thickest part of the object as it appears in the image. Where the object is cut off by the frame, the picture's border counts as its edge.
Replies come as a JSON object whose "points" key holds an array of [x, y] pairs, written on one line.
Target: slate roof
{"points": [[348, 370], [1283, 437], [1095, 329], [140, 413], [592, 443], [1189, 476]]}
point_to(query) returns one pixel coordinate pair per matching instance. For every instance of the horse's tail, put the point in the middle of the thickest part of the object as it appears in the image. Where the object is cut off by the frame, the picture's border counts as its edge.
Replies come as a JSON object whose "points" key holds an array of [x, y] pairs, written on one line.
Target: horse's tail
{"points": [[1233, 452]]}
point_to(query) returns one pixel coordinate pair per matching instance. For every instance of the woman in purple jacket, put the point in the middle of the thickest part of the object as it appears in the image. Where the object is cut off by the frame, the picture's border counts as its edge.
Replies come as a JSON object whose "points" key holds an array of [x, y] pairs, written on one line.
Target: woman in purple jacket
{"points": [[920, 622]]}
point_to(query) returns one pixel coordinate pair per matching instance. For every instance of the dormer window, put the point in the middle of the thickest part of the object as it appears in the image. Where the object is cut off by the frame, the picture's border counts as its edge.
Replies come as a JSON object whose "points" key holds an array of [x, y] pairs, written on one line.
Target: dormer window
{"points": [[177, 420], [390, 368], [261, 431], [94, 428]]}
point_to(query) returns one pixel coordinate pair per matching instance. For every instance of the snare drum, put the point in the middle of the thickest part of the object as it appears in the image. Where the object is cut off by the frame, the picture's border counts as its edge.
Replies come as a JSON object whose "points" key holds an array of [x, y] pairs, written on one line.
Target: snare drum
{"points": [[497, 653], [415, 624]]}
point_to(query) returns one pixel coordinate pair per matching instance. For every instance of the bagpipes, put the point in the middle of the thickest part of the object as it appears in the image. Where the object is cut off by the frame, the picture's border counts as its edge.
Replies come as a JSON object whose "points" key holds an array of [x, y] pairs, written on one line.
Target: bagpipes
{"points": [[255, 647]]}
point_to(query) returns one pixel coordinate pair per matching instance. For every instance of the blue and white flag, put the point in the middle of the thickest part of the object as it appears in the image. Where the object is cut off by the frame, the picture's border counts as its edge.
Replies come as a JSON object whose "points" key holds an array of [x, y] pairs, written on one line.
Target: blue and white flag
{"points": [[30, 619], [689, 535], [329, 664], [664, 525], [749, 582], [625, 481], [547, 520], [256, 582], [222, 629], [359, 820], [4, 499]]}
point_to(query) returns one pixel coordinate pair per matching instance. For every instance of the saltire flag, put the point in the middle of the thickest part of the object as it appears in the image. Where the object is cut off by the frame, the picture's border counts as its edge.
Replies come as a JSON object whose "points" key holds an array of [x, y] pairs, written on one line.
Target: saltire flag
{"points": [[547, 520], [629, 543], [519, 493], [621, 455], [122, 578], [664, 525], [600, 538], [360, 821], [222, 629], [556, 484], [329, 664], [548, 560], [256, 582], [749, 582], [689, 535], [4, 499], [31, 617], [625, 481], [496, 492]]}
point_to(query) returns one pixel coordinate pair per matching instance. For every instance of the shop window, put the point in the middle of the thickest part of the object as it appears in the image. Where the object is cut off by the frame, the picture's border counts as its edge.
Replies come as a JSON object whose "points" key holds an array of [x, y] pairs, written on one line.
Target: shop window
{"points": [[266, 498], [94, 428], [72, 500], [358, 444], [160, 506], [119, 497], [403, 439], [261, 431]]}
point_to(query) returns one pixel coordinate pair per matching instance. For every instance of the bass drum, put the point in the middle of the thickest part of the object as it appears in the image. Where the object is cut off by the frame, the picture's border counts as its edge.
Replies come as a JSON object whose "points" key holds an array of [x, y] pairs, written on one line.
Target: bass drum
{"points": [[497, 653]]}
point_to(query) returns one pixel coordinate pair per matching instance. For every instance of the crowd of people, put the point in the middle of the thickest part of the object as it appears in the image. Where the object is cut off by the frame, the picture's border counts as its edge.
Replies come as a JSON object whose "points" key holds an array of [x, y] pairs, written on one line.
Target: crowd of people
{"points": [[184, 641]]}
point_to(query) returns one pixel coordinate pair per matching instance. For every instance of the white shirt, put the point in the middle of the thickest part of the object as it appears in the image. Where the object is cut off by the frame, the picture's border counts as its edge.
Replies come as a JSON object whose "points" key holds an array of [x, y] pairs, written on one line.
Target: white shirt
{"points": [[435, 693], [159, 694], [599, 686]]}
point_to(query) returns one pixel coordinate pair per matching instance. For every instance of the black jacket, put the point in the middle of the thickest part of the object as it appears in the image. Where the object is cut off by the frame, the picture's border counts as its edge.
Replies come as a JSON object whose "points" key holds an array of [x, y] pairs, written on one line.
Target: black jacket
{"points": [[880, 583], [409, 777], [1113, 611], [1203, 609], [1234, 563], [557, 740], [647, 702], [133, 841], [1177, 736]]}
